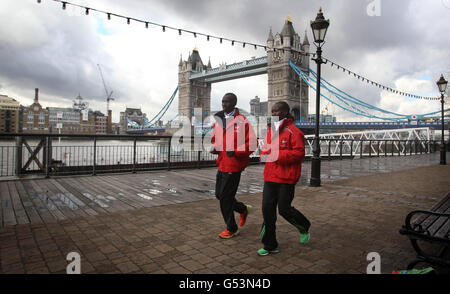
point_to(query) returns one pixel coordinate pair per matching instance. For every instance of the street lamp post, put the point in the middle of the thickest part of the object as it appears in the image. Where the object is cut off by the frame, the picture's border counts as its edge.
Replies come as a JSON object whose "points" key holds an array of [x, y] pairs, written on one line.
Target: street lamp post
{"points": [[319, 27], [442, 85]]}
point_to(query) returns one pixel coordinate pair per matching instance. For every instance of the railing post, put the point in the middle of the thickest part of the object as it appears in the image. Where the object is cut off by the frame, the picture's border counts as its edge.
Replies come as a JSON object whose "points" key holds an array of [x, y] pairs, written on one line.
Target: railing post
{"points": [[47, 156], [168, 153], [44, 154], [378, 148], [351, 148], [19, 159], [385, 148], [361, 148], [421, 148], [392, 148], [404, 153], [94, 163], [340, 149], [329, 150], [50, 152], [370, 148], [134, 155], [399, 144]]}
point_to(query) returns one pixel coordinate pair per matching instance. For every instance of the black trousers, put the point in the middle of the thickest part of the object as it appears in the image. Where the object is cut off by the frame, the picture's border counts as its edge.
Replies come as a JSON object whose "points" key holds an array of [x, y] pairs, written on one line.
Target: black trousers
{"points": [[226, 188], [282, 195]]}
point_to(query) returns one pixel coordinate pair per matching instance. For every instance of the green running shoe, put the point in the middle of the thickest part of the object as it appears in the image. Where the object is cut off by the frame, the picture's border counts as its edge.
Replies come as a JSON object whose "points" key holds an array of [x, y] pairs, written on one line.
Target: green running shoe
{"points": [[428, 270], [304, 238], [264, 252]]}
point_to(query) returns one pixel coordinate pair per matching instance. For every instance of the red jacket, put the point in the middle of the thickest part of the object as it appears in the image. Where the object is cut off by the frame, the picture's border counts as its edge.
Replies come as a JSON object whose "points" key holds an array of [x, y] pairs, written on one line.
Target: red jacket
{"points": [[285, 152], [238, 131]]}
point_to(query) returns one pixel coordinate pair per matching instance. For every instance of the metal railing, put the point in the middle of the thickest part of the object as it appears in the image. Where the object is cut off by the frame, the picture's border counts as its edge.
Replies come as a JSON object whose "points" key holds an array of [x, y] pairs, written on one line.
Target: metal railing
{"points": [[54, 154], [359, 148]]}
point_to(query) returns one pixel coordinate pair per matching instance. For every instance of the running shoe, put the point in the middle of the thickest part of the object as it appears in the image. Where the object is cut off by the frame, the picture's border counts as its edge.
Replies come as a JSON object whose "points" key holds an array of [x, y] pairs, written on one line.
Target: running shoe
{"points": [[227, 234], [304, 238], [264, 252], [243, 216]]}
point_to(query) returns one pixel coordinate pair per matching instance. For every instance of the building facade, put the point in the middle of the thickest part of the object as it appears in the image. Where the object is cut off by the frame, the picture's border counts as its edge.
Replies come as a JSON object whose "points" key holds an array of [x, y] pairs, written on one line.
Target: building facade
{"points": [[258, 108], [9, 115], [101, 122], [87, 123], [323, 118], [35, 118], [64, 120]]}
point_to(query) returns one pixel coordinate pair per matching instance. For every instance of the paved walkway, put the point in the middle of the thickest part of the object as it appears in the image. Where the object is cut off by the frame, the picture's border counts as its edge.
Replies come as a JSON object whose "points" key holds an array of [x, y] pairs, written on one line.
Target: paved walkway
{"points": [[172, 226]]}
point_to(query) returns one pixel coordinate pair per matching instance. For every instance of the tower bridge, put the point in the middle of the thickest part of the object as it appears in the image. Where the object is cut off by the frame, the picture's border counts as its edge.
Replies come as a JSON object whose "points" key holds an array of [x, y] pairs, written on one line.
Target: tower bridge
{"points": [[225, 72], [286, 65], [195, 78]]}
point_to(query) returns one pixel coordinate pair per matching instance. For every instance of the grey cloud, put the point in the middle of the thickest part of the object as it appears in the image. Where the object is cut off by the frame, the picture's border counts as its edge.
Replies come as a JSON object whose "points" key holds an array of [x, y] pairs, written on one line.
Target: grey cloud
{"points": [[353, 34], [57, 63], [63, 60]]}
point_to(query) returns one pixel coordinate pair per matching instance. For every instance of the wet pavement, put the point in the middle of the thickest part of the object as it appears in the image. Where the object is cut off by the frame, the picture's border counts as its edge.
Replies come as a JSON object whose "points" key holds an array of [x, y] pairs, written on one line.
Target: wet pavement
{"points": [[168, 222], [43, 200]]}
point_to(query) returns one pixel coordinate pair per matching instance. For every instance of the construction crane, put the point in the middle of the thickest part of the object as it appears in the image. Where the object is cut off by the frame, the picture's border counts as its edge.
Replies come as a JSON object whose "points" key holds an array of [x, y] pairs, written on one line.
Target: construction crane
{"points": [[108, 94]]}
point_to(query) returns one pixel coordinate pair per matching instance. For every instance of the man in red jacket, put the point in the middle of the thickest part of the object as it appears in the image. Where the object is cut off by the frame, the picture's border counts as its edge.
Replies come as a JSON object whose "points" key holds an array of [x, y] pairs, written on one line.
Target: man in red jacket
{"points": [[233, 140], [284, 151]]}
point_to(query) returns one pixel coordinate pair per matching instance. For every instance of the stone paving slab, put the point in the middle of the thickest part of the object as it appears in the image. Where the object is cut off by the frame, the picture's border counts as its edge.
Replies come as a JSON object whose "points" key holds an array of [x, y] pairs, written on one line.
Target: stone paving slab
{"points": [[350, 218]]}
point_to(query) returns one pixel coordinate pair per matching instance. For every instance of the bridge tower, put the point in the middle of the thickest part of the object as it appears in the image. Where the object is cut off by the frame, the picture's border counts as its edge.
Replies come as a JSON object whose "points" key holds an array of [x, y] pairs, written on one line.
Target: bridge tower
{"points": [[283, 83], [193, 93]]}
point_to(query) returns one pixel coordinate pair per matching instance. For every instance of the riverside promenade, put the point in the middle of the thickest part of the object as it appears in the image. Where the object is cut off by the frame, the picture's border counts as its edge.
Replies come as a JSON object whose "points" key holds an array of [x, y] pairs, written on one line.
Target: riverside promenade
{"points": [[167, 222]]}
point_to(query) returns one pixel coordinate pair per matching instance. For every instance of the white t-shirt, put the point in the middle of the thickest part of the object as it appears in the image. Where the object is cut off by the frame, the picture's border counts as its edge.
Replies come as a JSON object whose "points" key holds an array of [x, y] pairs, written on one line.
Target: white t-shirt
{"points": [[277, 124], [229, 115]]}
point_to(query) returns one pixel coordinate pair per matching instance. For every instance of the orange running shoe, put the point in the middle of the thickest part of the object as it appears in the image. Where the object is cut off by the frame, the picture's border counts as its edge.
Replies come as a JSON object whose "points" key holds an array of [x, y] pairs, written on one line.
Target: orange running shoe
{"points": [[243, 215], [227, 234]]}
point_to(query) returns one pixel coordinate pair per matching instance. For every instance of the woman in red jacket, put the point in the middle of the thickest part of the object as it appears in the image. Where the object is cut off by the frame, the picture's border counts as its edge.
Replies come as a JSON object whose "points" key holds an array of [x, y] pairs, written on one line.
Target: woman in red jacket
{"points": [[283, 151]]}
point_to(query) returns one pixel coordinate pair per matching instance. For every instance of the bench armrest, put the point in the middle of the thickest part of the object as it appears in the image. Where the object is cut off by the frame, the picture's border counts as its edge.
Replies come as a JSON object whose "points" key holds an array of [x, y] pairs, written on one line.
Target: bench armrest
{"points": [[408, 227]]}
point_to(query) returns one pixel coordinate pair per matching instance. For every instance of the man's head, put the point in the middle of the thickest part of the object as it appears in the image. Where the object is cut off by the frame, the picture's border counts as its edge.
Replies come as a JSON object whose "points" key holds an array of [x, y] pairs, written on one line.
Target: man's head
{"points": [[281, 109], [229, 101]]}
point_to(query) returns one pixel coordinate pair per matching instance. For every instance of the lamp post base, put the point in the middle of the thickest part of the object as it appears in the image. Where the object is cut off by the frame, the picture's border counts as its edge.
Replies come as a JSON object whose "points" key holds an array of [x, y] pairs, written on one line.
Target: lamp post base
{"points": [[315, 172]]}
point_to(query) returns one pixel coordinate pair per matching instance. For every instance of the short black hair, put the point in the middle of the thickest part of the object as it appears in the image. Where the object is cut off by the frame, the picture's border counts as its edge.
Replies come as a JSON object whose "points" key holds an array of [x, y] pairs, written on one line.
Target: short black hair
{"points": [[283, 106], [232, 95]]}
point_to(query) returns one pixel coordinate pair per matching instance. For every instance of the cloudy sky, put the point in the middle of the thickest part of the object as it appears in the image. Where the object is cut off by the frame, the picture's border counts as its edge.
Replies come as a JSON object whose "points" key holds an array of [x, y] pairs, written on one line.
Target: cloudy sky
{"points": [[403, 44]]}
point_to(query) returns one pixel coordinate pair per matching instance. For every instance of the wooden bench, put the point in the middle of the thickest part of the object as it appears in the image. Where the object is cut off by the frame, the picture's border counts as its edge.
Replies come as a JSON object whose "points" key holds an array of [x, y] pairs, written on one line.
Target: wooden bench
{"points": [[432, 226]]}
